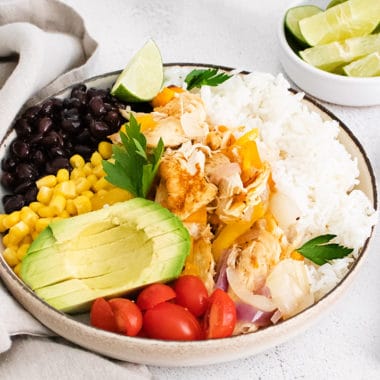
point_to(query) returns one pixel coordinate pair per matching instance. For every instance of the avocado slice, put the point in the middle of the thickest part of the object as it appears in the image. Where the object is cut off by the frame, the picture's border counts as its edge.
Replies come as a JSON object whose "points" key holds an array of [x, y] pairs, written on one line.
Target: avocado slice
{"points": [[105, 253]]}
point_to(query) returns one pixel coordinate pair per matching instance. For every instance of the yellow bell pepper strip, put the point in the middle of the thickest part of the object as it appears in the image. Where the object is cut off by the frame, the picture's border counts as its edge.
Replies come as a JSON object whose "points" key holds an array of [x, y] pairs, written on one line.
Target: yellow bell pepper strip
{"points": [[199, 216], [165, 96], [230, 232]]}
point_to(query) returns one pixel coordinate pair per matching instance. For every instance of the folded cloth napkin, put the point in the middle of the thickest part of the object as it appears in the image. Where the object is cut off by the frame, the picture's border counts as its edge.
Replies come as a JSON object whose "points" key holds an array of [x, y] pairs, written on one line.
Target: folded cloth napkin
{"points": [[44, 47]]}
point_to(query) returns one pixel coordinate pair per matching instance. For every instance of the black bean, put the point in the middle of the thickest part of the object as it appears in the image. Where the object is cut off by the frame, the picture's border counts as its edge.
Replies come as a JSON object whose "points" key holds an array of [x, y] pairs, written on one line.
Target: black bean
{"points": [[32, 112], [20, 149], [57, 151], [60, 162], [31, 194], [23, 128], [99, 129], [112, 118], [36, 139], [7, 180], [96, 105], [53, 138], [84, 150], [8, 164], [83, 136], [77, 90], [38, 157], [47, 107], [26, 171], [45, 124], [23, 187], [13, 203]]}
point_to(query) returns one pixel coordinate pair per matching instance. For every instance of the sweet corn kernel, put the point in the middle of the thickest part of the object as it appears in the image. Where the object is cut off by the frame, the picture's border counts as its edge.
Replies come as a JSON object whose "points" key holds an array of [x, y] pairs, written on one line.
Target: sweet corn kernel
{"points": [[77, 173], [46, 212], [2, 227], [67, 189], [77, 161], [96, 159], [35, 234], [81, 185], [92, 178], [10, 257], [98, 171], [5, 240], [63, 175], [58, 203], [44, 195], [27, 239], [28, 216], [21, 251], [87, 168], [101, 184], [48, 181], [17, 269], [40, 225], [89, 194], [18, 232], [70, 207], [105, 149], [82, 204], [11, 219], [34, 206], [64, 214]]}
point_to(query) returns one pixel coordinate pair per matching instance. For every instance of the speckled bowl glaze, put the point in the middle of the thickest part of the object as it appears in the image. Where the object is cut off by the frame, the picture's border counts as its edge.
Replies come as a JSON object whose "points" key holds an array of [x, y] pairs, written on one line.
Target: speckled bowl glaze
{"points": [[332, 88], [171, 353]]}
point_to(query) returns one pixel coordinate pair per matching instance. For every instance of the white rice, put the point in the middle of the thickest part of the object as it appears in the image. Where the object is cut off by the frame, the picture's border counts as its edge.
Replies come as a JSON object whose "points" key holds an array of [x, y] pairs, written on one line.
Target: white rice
{"points": [[309, 165]]}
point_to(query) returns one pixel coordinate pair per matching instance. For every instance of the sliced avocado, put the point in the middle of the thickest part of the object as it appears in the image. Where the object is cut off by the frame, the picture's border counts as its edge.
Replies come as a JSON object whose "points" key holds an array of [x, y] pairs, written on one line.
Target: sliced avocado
{"points": [[105, 253]]}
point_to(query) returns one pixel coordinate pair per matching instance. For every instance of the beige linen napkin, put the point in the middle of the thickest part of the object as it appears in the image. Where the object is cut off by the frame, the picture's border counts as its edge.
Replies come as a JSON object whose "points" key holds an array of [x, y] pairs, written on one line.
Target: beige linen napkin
{"points": [[44, 47]]}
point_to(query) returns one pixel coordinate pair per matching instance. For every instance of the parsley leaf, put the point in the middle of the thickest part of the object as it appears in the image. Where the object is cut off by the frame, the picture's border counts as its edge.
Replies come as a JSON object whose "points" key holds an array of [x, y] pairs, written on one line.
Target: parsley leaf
{"points": [[205, 77], [318, 251], [134, 167]]}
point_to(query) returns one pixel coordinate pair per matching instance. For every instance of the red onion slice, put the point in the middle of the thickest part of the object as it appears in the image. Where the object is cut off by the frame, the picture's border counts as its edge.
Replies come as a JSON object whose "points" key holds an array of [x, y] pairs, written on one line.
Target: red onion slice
{"points": [[258, 301], [248, 313]]}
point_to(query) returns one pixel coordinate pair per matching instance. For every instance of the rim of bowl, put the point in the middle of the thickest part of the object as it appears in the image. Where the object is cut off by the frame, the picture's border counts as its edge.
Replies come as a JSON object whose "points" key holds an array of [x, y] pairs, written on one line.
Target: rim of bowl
{"points": [[148, 341], [314, 70]]}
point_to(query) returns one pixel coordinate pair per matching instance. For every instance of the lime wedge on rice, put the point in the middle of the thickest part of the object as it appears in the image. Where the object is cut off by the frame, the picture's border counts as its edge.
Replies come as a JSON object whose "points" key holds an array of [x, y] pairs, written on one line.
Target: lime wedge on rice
{"points": [[294, 15], [330, 56], [353, 18], [368, 66], [142, 79]]}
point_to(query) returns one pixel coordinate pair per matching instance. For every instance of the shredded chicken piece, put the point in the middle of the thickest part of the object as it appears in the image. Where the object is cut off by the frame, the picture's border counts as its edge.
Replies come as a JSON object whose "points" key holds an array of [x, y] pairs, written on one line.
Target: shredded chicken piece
{"points": [[183, 188], [182, 119], [201, 262], [254, 259]]}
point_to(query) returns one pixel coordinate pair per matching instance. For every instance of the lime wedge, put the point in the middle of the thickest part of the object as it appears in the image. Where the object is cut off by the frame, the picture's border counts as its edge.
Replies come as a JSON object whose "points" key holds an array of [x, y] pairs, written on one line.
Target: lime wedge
{"points": [[353, 18], [330, 56], [332, 3], [142, 78], [368, 66], [294, 15]]}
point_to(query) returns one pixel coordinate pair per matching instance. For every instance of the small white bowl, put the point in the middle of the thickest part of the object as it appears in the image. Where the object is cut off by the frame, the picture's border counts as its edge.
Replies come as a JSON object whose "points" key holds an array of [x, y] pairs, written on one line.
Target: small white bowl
{"points": [[332, 88]]}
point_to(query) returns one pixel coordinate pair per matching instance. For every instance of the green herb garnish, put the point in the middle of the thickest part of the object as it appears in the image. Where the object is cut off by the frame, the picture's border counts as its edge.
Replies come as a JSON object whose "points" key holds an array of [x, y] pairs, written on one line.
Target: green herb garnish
{"points": [[134, 168], [205, 77], [319, 252]]}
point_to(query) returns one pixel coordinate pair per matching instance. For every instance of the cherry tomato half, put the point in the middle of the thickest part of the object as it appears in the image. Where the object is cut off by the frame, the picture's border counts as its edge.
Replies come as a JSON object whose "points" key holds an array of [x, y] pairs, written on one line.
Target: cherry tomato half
{"points": [[170, 321], [102, 316], [154, 294], [220, 318], [128, 316], [192, 294]]}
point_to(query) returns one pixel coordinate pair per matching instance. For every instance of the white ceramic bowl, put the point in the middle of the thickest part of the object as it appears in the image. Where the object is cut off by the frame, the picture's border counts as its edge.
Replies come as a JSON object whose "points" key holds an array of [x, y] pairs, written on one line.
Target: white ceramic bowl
{"points": [[332, 88], [171, 353]]}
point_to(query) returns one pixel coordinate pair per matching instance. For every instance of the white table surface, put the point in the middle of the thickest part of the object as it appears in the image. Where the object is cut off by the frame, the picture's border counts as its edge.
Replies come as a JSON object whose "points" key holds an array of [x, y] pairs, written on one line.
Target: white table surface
{"points": [[345, 342]]}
